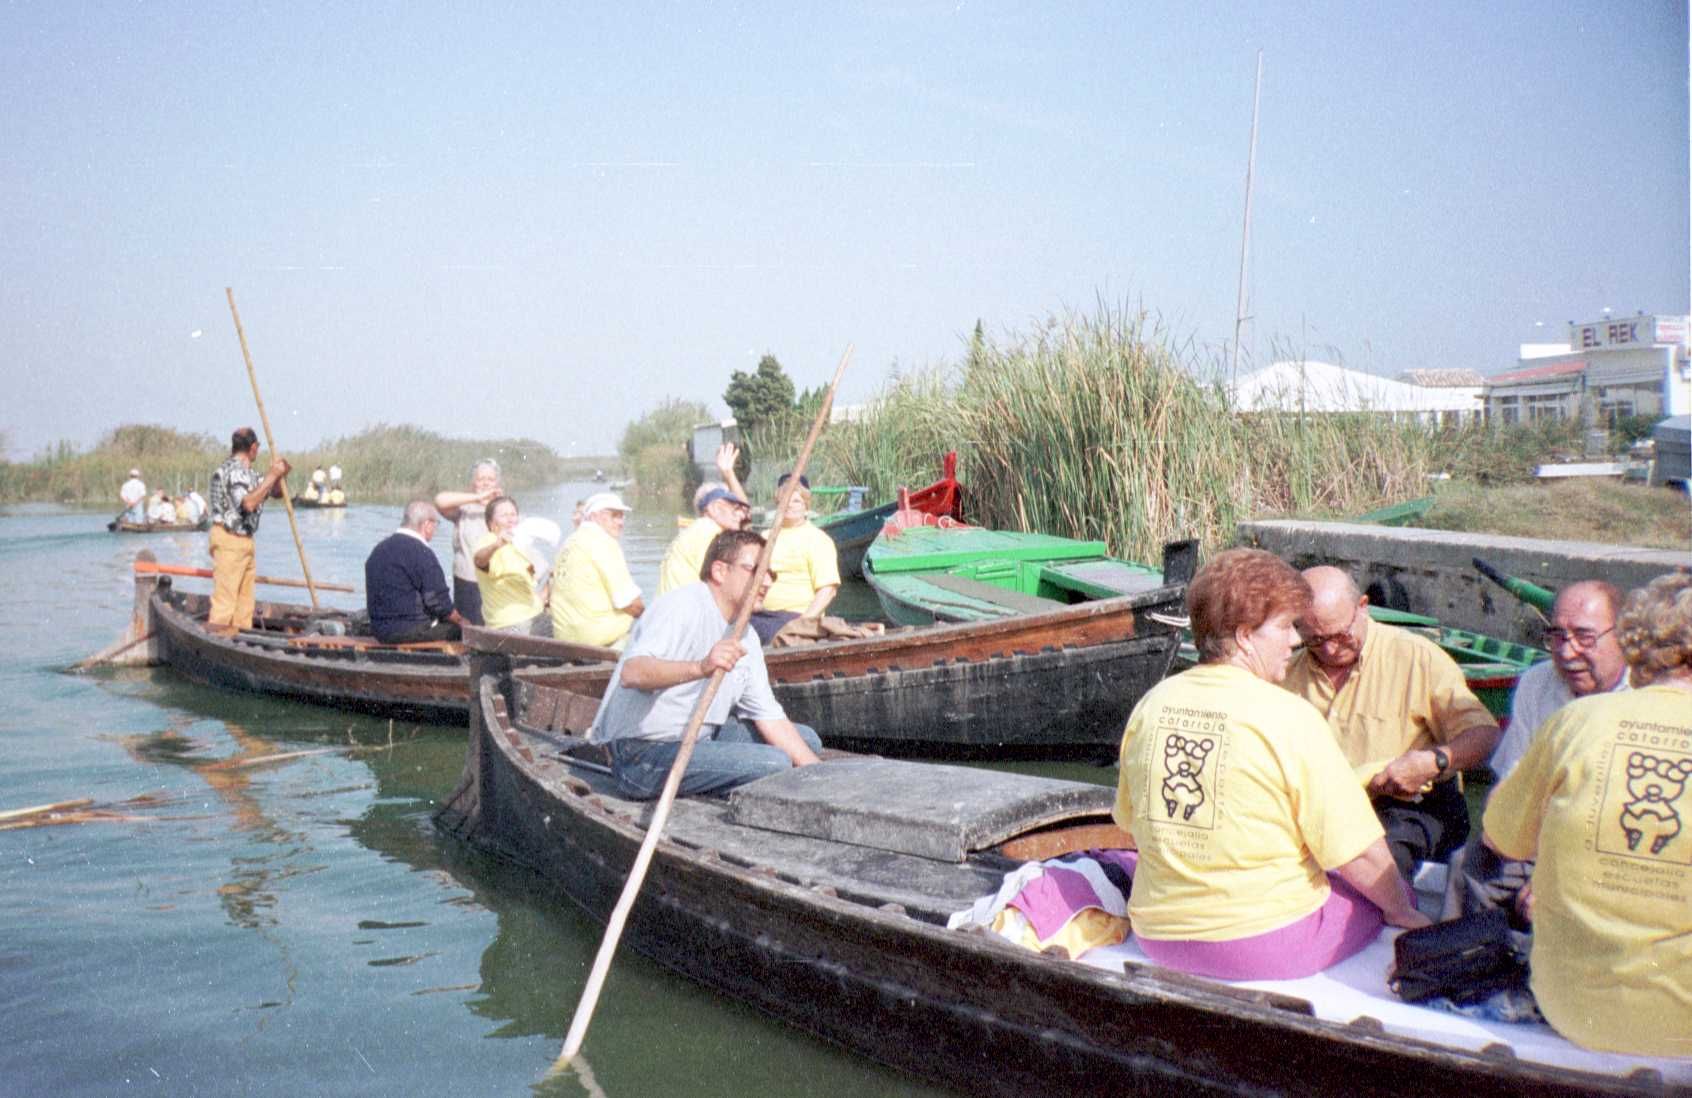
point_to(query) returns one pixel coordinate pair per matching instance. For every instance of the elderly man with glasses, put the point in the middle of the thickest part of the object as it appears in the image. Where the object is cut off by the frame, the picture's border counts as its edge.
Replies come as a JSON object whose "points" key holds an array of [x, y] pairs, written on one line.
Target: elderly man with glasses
{"points": [[673, 650], [1402, 713], [1586, 659]]}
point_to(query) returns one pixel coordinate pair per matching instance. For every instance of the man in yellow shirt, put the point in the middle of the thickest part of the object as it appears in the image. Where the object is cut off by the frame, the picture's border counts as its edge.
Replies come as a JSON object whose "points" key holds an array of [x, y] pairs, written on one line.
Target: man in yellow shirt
{"points": [[594, 600], [1401, 712], [1603, 800], [719, 508]]}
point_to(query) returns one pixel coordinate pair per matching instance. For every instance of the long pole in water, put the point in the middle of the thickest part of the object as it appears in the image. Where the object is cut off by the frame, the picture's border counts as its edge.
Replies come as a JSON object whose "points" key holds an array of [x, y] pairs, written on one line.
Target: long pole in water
{"points": [[661, 813], [270, 441], [1245, 235]]}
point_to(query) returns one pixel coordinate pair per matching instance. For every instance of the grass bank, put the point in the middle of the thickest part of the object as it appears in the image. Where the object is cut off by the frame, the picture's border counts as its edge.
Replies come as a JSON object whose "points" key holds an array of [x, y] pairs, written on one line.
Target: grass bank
{"points": [[383, 463], [1098, 426], [1588, 509]]}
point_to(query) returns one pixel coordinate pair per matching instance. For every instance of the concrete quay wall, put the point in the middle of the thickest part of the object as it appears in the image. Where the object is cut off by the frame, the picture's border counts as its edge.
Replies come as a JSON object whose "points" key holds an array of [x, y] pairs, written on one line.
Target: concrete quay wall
{"points": [[1429, 571]]}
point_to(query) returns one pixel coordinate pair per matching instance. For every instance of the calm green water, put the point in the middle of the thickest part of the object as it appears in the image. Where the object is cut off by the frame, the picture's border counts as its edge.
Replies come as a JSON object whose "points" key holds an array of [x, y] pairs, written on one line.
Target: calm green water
{"points": [[298, 926]]}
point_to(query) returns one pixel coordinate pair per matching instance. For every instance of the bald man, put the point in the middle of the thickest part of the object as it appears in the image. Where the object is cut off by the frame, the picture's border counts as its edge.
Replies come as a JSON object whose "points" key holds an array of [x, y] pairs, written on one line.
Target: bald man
{"points": [[1402, 713]]}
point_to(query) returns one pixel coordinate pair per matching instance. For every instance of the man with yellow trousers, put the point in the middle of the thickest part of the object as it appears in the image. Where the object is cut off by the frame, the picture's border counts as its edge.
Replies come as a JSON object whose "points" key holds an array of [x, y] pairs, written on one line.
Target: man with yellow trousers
{"points": [[236, 496], [594, 600]]}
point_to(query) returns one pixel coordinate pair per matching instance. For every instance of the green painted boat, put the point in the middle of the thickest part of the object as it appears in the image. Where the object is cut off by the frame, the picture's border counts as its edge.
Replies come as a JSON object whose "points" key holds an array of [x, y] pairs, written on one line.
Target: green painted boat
{"points": [[1399, 514], [927, 574]]}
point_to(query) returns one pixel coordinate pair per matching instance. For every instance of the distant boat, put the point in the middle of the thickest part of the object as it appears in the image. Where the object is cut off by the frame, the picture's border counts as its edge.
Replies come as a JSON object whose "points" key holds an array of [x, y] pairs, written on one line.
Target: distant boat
{"points": [[1399, 514], [853, 531], [123, 526], [306, 503]]}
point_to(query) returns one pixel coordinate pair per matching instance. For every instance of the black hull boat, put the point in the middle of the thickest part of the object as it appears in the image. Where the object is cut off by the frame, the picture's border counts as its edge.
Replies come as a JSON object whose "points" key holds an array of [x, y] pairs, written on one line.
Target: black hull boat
{"points": [[820, 897]]}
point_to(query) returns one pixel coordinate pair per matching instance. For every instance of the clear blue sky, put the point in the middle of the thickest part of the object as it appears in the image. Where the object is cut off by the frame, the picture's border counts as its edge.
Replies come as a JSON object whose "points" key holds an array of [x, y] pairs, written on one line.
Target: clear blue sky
{"points": [[543, 218]]}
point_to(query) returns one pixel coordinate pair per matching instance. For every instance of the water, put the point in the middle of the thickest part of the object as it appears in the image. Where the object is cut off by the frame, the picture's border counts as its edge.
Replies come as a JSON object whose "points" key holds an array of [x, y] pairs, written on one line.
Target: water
{"points": [[298, 926]]}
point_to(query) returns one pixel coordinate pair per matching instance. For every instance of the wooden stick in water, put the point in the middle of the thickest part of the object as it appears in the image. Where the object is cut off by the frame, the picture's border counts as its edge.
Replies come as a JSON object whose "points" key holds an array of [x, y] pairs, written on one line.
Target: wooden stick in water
{"points": [[270, 441], [661, 813]]}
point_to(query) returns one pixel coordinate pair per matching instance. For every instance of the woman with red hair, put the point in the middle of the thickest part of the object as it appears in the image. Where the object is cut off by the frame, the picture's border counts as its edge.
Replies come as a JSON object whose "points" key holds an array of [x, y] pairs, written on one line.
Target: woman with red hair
{"points": [[1259, 856]]}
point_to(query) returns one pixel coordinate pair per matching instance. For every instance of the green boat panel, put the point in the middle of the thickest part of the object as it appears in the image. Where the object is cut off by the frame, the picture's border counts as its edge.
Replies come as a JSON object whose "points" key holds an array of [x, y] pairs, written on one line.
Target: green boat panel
{"points": [[931, 548], [1399, 514]]}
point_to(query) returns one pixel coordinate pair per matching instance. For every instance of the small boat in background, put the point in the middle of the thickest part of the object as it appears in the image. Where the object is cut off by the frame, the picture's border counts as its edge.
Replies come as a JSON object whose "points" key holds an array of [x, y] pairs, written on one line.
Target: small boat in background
{"points": [[123, 526], [1490, 666], [1407, 513], [854, 531], [924, 573]]}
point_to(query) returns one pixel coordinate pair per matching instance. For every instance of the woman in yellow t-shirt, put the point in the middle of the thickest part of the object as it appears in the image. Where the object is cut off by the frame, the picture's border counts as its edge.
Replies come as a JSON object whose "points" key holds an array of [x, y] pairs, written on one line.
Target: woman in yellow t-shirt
{"points": [[805, 567], [1259, 856], [505, 577], [1603, 800]]}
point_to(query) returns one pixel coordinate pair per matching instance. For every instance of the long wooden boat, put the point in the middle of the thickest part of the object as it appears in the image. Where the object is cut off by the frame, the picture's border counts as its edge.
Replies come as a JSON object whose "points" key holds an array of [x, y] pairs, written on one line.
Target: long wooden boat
{"points": [[122, 526], [305, 503], [854, 531], [820, 897], [949, 573], [1058, 684]]}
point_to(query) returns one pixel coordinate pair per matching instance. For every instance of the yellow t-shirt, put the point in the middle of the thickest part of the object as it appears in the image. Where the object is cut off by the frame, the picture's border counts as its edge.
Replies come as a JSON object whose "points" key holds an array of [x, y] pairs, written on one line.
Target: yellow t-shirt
{"points": [[686, 555], [1603, 800], [1403, 694], [508, 586], [1239, 802], [805, 560], [590, 581]]}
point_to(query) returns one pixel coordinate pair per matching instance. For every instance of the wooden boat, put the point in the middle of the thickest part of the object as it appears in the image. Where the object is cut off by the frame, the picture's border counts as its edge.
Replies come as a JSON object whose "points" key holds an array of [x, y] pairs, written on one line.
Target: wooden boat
{"points": [[924, 574], [122, 526], [1490, 666], [1398, 514], [853, 531], [820, 897], [1057, 684], [305, 503], [279, 656]]}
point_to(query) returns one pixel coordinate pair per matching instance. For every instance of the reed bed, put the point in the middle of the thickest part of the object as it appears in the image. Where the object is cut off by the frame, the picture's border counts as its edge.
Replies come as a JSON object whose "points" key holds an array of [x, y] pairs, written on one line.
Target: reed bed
{"points": [[382, 463]]}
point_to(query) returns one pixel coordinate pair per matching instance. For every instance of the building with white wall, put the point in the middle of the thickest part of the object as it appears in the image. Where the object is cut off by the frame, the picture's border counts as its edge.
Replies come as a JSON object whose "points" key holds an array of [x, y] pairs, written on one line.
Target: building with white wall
{"points": [[1620, 366]]}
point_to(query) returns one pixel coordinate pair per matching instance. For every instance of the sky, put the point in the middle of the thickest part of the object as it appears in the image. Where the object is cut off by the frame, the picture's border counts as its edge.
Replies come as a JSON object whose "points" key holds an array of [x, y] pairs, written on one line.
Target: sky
{"points": [[544, 219]]}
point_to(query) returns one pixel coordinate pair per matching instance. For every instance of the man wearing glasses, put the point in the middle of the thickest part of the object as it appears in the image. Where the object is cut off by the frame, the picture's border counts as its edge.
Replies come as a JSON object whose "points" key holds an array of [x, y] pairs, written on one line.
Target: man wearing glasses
{"points": [[1402, 713], [1585, 659], [673, 650]]}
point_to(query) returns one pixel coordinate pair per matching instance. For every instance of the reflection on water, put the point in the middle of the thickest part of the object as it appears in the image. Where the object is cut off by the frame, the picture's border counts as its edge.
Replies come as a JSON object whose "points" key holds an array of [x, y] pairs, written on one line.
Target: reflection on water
{"points": [[290, 919]]}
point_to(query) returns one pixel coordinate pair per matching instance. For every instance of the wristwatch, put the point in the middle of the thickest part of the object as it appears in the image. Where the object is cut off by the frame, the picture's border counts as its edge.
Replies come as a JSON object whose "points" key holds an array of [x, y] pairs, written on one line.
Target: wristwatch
{"points": [[1443, 758]]}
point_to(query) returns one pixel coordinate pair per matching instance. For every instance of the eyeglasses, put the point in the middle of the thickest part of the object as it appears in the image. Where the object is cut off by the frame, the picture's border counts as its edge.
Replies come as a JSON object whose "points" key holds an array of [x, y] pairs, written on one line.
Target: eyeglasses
{"points": [[753, 568], [1582, 639], [1317, 640]]}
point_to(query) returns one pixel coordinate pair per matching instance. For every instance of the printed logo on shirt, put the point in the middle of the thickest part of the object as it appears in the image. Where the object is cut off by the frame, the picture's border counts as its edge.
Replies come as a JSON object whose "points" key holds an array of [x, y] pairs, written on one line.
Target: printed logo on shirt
{"points": [[1646, 811], [1188, 746]]}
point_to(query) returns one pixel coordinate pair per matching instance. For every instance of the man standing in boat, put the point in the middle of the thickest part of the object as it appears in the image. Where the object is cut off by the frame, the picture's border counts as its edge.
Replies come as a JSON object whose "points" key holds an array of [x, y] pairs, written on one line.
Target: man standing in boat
{"points": [[673, 650], [1403, 715], [133, 496], [405, 589], [237, 494]]}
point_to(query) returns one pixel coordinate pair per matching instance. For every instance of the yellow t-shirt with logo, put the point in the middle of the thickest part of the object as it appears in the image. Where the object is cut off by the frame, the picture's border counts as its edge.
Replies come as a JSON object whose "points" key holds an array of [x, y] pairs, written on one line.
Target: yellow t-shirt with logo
{"points": [[1403, 694], [804, 560], [1239, 802], [590, 581], [686, 555], [508, 586], [1603, 801]]}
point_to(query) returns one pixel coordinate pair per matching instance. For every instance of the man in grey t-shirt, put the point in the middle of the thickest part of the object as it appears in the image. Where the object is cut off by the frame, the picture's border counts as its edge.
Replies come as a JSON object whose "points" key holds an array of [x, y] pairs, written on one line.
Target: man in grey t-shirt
{"points": [[673, 649]]}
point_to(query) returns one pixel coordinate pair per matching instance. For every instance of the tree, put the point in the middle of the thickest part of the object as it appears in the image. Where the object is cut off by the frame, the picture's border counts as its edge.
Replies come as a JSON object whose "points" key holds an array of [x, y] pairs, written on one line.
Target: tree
{"points": [[759, 397]]}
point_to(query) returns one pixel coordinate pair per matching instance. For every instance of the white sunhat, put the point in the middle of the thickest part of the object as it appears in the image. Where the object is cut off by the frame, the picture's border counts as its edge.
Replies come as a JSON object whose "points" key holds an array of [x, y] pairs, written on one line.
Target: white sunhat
{"points": [[604, 501]]}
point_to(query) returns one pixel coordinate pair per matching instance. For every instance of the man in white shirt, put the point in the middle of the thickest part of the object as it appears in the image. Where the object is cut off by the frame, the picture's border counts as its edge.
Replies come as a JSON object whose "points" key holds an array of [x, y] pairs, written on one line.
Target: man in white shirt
{"points": [[133, 495]]}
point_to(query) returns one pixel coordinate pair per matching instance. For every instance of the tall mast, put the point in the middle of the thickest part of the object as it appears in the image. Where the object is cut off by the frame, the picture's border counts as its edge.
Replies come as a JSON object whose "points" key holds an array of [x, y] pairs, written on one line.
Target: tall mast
{"points": [[1245, 235]]}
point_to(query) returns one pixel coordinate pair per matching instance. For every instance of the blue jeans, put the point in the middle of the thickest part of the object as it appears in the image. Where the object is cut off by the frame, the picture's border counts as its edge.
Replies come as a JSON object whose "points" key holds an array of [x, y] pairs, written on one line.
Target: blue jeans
{"points": [[137, 513], [734, 756]]}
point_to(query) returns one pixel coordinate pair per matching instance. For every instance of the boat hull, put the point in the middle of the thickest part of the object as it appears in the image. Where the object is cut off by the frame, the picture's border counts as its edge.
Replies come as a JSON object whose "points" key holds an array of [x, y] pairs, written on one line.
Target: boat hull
{"points": [[379, 681], [966, 1011]]}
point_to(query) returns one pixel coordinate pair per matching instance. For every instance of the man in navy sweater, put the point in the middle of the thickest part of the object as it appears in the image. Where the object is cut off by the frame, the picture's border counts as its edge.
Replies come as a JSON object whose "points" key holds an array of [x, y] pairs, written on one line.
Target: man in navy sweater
{"points": [[405, 590]]}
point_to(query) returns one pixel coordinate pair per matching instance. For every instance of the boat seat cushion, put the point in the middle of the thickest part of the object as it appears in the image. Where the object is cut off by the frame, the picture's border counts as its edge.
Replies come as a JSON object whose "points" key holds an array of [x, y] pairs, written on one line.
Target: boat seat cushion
{"points": [[938, 812]]}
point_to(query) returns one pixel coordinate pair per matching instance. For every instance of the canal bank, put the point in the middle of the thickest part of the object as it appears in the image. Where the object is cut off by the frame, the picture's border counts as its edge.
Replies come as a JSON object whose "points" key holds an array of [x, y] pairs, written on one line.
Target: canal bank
{"points": [[1432, 571]]}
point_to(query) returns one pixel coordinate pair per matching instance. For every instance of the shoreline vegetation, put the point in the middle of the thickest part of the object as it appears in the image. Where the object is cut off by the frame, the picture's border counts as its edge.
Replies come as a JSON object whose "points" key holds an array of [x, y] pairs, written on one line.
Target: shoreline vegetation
{"points": [[1100, 426], [384, 463]]}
